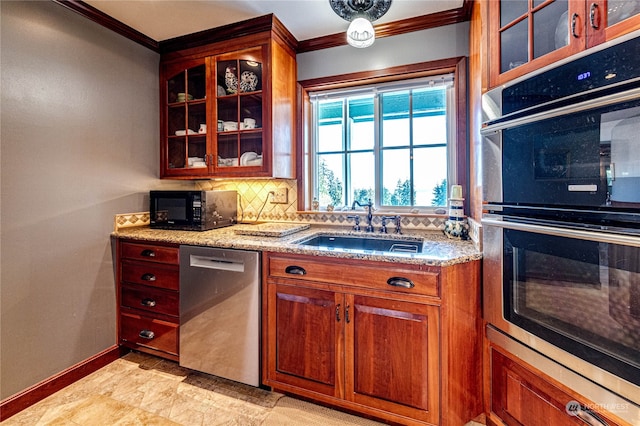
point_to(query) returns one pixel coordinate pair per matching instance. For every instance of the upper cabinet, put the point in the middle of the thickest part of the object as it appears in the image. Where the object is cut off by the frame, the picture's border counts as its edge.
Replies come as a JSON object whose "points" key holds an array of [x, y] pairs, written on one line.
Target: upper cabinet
{"points": [[528, 34], [227, 109]]}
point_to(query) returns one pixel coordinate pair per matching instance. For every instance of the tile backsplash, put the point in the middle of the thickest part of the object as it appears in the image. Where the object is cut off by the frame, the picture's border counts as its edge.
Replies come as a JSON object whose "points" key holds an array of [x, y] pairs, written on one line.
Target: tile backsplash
{"points": [[254, 197], [255, 200]]}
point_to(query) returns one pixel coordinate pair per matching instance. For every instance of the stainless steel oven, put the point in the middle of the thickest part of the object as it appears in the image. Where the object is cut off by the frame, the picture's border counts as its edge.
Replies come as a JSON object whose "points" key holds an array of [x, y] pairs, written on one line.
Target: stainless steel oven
{"points": [[561, 238]]}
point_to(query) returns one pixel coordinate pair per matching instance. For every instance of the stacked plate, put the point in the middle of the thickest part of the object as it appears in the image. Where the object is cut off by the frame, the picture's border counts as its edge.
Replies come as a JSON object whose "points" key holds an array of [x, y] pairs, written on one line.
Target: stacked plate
{"points": [[183, 96], [197, 162]]}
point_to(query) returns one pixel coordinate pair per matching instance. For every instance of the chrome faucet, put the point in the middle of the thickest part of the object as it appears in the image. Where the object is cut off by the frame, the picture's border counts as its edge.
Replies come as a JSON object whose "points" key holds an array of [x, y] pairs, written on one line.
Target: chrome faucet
{"points": [[397, 222], [369, 213], [356, 226]]}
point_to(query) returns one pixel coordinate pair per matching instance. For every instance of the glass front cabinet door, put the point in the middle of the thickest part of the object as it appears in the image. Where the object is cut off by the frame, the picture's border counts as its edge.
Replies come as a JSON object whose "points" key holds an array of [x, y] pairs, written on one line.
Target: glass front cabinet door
{"points": [[184, 121], [239, 136], [528, 34], [223, 112]]}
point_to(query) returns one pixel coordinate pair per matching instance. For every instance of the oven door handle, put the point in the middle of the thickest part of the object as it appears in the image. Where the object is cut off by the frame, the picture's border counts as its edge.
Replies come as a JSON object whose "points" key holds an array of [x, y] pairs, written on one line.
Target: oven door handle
{"points": [[581, 234], [597, 102]]}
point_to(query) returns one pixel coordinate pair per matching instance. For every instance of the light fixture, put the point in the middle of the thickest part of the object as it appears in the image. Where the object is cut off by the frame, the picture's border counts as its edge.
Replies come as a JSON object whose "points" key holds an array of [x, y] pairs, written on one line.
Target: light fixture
{"points": [[360, 13]]}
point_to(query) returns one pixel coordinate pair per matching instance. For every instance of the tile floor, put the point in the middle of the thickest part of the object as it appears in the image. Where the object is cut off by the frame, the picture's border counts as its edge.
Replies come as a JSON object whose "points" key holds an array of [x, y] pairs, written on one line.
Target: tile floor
{"points": [[140, 389]]}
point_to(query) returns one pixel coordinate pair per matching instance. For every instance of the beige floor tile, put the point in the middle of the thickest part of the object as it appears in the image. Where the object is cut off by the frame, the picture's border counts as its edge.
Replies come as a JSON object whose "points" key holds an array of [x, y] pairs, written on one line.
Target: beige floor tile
{"points": [[140, 389]]}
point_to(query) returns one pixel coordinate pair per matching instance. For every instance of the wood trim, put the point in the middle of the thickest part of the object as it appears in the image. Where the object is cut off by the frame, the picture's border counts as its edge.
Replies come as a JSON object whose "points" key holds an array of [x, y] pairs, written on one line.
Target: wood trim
{"points": [[264, 23], [457, 65], [257, 25], [389, 29], [107, 21], [18, 402]]}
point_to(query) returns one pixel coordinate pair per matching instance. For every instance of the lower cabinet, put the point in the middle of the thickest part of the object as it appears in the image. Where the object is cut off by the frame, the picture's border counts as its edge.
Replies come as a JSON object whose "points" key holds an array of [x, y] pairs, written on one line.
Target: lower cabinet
{"points": [[148, 297], [344, 333], [521, 396]]}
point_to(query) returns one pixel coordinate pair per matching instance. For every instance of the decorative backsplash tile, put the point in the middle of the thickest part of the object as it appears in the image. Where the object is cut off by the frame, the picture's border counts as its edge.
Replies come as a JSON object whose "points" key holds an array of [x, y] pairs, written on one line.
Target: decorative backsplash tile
{"points": [[128, 220], [255, 200]]}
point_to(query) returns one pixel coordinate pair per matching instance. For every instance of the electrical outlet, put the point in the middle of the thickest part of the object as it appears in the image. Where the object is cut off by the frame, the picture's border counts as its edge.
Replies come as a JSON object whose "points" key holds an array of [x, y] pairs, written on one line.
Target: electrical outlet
{"points": [[280, 196]]}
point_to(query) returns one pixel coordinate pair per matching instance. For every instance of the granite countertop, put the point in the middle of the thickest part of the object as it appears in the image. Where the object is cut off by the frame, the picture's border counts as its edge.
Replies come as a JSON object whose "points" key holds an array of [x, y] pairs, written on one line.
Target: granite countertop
{"points": [[438, 250]]}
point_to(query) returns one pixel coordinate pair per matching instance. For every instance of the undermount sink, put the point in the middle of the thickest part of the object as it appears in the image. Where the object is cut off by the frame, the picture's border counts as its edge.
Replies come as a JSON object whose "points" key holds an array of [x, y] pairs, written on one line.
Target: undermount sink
{"points": [[390, 245]]}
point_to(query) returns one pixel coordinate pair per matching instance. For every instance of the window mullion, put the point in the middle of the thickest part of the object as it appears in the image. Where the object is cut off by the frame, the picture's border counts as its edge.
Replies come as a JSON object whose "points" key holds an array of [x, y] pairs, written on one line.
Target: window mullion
{"points": [[346, 145], [411, 163], [377, 144]]}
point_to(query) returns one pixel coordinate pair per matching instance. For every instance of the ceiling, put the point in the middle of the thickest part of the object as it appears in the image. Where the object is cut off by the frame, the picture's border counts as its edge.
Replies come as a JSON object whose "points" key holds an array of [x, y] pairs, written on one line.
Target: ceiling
{"points": [[306, 19]]}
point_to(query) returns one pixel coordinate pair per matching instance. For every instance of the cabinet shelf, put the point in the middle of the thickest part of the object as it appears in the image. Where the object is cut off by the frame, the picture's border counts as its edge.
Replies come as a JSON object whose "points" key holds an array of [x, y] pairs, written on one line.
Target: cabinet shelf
{"points": [[235, 87]]}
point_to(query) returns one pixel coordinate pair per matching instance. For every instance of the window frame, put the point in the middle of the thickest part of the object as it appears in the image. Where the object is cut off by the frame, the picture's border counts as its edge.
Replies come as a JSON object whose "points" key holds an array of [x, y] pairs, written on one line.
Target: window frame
{"points": [[456, 66]]}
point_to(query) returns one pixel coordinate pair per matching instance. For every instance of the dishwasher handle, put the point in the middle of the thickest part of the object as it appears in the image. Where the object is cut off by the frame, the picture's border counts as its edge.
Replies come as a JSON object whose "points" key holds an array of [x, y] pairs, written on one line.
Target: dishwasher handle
{"points": [[209, 262]]}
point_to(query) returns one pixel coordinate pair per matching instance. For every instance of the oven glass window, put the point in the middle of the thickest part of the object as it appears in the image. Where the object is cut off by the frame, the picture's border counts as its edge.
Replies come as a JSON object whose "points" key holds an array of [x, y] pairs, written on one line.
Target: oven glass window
{"points": [[587, 158], [582, 296]]}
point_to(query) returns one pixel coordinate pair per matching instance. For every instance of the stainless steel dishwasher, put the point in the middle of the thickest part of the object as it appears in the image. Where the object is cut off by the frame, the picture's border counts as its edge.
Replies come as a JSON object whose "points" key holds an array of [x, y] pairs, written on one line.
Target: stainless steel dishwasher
{"points": [[220, 312]]}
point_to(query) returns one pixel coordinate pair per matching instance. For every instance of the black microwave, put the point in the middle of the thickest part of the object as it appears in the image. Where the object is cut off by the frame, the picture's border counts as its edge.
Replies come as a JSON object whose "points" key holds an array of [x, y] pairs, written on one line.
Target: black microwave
{"points": [[192, 210]]}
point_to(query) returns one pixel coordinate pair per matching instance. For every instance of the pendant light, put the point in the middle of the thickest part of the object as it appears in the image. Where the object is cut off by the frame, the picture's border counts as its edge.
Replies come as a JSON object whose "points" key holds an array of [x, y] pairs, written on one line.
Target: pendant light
{"points": [[360, 13]]}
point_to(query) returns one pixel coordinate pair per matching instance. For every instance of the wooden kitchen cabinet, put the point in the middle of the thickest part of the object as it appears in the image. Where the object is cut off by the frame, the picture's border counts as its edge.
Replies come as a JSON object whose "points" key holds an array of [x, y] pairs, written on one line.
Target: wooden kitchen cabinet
{"points": [[148, 297], [228, 106], [520, 395], [525, 35], [338, 333]]}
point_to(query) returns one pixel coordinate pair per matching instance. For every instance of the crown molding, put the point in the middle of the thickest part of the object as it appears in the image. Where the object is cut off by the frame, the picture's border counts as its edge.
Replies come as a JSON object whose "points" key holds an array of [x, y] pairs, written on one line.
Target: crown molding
{"points": [[107, 21], [419, 23], [265, 23]]}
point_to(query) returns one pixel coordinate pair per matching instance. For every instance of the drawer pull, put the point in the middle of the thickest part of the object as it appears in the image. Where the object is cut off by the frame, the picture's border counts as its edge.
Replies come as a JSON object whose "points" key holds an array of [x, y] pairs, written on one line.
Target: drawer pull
{"points": [[338, 313], [295, 270], [148, 253], [147, 301], [400, 282], [147, 334], [346, 314], [148, 277]]}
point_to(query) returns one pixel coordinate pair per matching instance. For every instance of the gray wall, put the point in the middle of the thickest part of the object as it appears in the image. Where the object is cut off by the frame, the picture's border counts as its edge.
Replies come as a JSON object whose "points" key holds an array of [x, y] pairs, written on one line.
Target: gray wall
{"points": [[420, 46], [79, 143]]}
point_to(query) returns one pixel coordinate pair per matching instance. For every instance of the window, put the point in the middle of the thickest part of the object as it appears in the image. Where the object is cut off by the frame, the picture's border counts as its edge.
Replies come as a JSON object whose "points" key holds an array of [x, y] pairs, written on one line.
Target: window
{"points": [[391, 142]]}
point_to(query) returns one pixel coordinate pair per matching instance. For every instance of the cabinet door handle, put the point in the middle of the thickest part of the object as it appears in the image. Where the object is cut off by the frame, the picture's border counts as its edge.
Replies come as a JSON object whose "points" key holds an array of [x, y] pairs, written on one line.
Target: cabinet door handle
{"points": [[346, 315], [338, 313], [295, 270], [149, 302], [574, 24], [400, 282], [148, 253], [147, 334], [592, 16], [148, 277]]}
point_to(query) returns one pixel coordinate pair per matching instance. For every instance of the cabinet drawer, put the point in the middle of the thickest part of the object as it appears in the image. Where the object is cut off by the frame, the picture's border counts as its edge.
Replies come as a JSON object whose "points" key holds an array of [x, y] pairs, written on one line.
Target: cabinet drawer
{"points": [[153, 253], [149, 332], [150, 299], [150, 274], [371, 275]]}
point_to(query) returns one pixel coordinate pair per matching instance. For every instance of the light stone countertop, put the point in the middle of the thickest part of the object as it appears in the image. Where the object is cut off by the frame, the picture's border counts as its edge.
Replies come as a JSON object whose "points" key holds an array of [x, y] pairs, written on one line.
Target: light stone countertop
{"points": [[438, 250]]}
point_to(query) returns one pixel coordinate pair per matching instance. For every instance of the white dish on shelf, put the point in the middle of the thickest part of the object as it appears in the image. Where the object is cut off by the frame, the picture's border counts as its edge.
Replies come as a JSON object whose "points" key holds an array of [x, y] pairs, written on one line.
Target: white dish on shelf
{"points": [[562, 31], [247, 156], [185, 132], [227, 162], [255, 162]]}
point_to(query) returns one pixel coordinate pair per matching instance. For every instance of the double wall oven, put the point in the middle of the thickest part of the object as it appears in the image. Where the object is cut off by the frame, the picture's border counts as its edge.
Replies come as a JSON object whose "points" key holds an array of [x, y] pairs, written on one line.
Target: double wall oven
{"points": [[561, 221]]}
